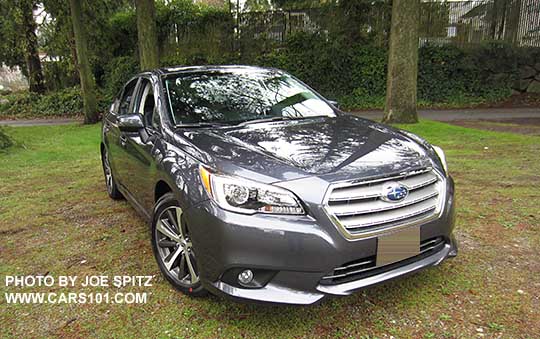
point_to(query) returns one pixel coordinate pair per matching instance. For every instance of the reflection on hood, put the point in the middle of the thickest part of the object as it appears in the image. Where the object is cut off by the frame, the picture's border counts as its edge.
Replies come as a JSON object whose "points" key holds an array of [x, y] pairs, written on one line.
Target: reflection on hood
{"points": [[315, 146]]}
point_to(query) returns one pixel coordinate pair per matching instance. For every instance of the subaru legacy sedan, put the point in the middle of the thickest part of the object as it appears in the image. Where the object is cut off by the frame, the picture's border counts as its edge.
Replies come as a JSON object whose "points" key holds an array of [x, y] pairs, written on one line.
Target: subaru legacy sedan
{"points": [[258, 188]]}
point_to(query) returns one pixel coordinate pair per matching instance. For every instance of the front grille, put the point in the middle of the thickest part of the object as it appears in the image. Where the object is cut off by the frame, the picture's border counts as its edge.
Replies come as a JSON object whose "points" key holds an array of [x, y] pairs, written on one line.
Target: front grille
{"points": [[366, 267], [359, 207]]}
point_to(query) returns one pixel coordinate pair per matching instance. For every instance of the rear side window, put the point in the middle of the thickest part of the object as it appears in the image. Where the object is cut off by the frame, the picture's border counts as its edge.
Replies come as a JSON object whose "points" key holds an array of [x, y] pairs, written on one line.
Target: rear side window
{"points": [[127, 97]]}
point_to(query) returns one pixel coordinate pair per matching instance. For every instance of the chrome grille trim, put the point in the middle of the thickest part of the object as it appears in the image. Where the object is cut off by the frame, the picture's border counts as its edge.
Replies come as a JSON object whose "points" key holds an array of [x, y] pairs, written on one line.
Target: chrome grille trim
{"points": [[370, 219], [358, 212], [413, 198], [355, 191], [370, 264], [367, 262], [347, 274]]}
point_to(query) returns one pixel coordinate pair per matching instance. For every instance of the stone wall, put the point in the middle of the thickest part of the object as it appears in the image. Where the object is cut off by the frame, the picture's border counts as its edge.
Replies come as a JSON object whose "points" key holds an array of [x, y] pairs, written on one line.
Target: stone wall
{"points": [[528, 79]]}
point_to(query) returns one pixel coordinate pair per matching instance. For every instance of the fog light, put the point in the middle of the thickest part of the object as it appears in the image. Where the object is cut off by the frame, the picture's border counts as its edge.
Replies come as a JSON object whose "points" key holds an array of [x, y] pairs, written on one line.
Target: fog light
{"points": [[245, 277]]}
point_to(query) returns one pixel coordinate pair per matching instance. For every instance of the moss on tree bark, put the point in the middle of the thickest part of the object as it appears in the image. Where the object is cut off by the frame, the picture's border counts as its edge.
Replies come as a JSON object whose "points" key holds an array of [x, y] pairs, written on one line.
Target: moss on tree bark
{"points": [[88, 85], [147, 34], [31, 55], [401, 87]]}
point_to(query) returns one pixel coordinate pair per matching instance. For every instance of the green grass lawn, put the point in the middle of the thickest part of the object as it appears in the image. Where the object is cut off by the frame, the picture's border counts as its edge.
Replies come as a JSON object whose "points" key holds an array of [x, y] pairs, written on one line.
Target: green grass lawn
{"points": [[56, 219]]}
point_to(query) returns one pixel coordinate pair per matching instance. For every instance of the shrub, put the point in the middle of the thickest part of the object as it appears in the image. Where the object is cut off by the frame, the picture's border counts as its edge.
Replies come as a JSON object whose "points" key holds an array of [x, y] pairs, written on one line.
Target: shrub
{"points": [[321, 63], [66, 102], [19, 104], [117, 72], [356, 75], [63, 103], [5, 140]]}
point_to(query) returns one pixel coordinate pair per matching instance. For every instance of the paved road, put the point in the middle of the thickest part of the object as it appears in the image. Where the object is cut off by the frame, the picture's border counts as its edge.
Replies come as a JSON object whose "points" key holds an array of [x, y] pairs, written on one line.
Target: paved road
{"points": [[465, 114], [39, 122], [438, 115]]}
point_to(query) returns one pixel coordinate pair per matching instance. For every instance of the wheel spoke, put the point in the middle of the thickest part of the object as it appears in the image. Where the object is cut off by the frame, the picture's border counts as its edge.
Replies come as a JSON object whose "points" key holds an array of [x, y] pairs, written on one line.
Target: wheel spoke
{"points": [[166, 243], [172, 220], [179, 221], [108, 173], [182, 268], [175, 247], [164, 228], [192, 273], [171, 259]]}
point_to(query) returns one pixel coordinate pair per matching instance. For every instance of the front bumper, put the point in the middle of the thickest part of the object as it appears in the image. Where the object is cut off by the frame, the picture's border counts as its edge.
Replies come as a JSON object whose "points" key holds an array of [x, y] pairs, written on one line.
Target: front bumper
{"points": [[280, 293], [299, 249]]}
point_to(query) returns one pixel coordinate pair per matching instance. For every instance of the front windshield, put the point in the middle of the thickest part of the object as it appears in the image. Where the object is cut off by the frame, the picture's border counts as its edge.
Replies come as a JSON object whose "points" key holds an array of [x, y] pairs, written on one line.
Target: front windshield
{"points": [[240, 95]]}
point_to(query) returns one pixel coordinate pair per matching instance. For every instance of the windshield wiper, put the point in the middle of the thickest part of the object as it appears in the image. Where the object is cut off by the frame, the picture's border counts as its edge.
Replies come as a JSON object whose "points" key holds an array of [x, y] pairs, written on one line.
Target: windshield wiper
{"points": [[198, 125], [279, 118], [257, 121]]}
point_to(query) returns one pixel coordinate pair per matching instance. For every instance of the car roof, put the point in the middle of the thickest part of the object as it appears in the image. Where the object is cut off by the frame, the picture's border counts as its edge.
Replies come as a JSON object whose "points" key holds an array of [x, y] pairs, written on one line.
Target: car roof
{"points": [[181, 69]]}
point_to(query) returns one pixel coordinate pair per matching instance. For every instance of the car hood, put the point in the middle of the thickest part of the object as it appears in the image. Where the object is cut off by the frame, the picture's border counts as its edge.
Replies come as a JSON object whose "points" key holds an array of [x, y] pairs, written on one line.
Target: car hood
{"points": [[337, 148]]}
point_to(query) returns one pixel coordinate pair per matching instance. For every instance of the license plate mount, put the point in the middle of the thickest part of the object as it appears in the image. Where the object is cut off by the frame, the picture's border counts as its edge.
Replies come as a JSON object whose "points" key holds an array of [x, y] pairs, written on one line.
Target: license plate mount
{"points": [[398, 246]]}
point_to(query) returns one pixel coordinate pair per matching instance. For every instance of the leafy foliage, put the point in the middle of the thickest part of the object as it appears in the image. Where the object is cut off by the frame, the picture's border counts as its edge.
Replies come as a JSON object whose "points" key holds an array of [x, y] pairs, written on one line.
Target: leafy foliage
{"points": [[356, 75], [5, 140], [343, 54], [117, 73], [65, 102], [194, 31], [11, 34]]}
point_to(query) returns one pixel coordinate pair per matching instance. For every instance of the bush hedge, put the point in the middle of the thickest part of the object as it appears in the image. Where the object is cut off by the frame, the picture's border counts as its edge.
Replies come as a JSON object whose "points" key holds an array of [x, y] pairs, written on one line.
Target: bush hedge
{"points": [[5, 140], [117, 72], [356, 75], [63, 103]]}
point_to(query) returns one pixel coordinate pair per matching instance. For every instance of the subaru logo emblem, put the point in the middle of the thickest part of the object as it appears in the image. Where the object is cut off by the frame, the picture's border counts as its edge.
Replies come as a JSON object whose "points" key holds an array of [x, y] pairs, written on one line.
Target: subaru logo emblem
{"points": [[394, 192]]}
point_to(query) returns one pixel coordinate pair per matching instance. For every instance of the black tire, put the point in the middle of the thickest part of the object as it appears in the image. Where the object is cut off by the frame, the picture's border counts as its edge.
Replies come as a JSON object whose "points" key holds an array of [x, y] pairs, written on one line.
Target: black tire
{"points": [[182, 263], [110, 182]]}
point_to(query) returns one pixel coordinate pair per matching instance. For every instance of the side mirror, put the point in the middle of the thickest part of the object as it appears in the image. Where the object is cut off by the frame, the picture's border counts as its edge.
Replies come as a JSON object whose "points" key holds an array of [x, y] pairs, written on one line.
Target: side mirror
{"points": [[130, 122], [334, 103]]}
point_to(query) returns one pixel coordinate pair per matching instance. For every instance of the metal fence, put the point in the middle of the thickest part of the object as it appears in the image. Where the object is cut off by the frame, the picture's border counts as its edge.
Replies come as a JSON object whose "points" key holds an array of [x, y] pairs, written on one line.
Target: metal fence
{"points": [[461, 23], [442, 22], [471, 22]]}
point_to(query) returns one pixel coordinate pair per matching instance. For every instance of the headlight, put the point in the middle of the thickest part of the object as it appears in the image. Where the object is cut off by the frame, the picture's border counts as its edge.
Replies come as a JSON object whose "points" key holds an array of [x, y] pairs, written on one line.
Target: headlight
{"points": [[246, 196], [437, 149], [442, 157]]}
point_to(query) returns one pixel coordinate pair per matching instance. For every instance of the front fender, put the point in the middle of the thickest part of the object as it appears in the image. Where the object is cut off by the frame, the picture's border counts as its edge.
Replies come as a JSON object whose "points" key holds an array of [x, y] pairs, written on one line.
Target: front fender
{"points": [[181, 173]]}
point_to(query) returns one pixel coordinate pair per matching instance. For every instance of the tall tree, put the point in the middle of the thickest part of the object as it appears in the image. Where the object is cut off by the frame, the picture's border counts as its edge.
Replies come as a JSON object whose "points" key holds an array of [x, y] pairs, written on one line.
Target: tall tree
{"points": [[33, 63], [401, 86], [88, 85], [18, 41], [147, 34]]}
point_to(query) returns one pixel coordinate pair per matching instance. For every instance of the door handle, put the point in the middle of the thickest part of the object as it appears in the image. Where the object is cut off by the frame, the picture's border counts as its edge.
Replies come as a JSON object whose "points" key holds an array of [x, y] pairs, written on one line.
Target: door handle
{"points": [[123, 140]]}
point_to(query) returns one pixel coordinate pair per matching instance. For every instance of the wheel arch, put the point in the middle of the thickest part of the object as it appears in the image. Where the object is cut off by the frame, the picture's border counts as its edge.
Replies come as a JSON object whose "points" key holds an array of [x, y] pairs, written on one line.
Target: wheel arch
{"points": [[161, 189]]}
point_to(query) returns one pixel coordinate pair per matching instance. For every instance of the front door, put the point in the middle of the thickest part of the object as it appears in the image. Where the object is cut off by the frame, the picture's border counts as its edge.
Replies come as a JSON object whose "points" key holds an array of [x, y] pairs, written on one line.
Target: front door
{"points": [[116, 138], [139, 148]]}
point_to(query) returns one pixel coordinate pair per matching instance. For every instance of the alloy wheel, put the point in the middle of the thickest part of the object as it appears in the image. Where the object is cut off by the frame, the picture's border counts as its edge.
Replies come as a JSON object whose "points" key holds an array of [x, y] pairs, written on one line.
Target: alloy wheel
{"points": [[108, 172], [175, 248]]}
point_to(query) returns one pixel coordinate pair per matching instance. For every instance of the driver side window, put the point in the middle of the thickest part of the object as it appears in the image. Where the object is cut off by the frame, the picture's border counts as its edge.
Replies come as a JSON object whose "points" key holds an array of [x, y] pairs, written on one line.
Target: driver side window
{"points": [[146, 105], [127, 97]]}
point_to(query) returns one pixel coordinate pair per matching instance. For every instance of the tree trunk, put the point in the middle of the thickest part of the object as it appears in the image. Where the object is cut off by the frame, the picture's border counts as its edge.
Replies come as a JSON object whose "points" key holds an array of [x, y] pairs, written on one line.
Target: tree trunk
{"points": [[401, 84], [147, 34], [88, 84], [512, 26], [33, 63], [75, 74]]}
